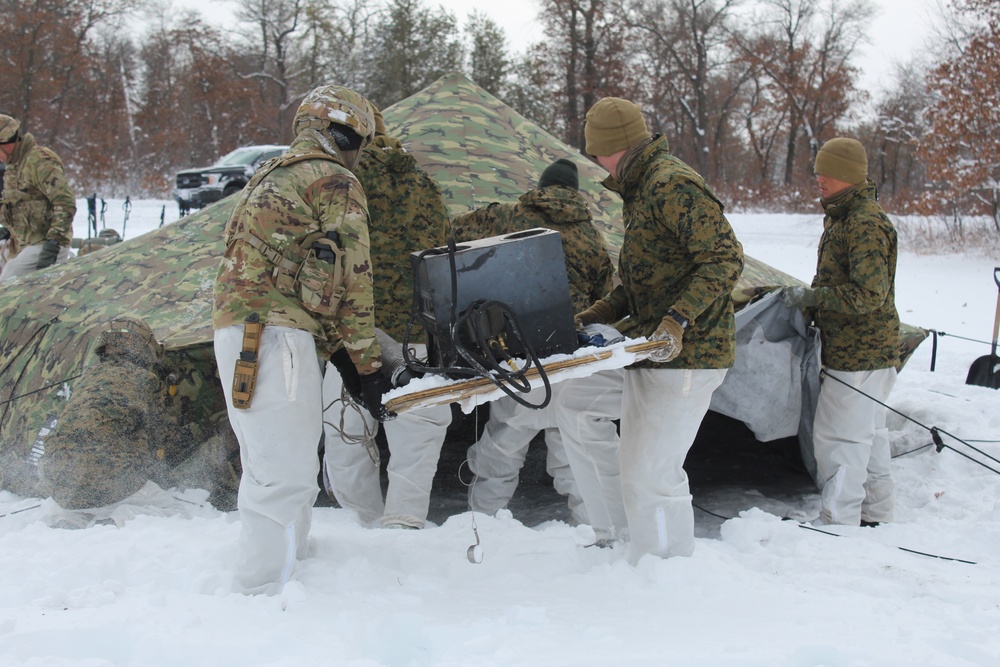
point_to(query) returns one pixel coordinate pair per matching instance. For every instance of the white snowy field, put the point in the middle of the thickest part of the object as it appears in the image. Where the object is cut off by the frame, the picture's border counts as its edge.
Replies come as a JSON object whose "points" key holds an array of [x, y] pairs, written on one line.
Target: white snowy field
{"points": [[151, 588]]}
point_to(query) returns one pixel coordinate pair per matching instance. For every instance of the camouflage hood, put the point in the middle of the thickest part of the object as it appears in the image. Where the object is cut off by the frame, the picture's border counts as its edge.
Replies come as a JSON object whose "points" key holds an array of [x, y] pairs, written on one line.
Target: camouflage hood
{"points": [[389, 151], [562, 206]]}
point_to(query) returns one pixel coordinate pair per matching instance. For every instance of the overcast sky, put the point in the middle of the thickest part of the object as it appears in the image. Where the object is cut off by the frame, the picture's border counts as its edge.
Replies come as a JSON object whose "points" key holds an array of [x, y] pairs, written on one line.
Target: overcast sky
{"points": [[897, 32]]}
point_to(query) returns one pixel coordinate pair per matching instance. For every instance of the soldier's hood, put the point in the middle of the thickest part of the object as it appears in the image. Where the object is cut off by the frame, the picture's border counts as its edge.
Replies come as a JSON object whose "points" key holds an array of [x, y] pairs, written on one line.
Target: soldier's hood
{"points": [[561, 205], [390, 152]]}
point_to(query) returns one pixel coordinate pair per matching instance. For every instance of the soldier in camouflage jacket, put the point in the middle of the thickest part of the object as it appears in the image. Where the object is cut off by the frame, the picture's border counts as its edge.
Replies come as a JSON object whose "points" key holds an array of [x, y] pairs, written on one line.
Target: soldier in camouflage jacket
{"points": [[117, 427], [853, 300], [297, 255], [407, 214], [37, 205], [552, 205], [679, 262], [496, 459]]}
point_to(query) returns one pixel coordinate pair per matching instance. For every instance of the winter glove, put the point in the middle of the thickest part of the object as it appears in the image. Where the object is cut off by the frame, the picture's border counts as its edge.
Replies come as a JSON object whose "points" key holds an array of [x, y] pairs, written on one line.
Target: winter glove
{"points": [[341, 360], [798, 297], [601, 312], [49, 254], [670, 331], [4, 233], [373, 386]]}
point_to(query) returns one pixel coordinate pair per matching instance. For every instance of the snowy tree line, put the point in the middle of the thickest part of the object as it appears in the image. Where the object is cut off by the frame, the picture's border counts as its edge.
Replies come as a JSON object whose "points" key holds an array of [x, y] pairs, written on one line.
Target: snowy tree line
{"points": [[746, 90]]}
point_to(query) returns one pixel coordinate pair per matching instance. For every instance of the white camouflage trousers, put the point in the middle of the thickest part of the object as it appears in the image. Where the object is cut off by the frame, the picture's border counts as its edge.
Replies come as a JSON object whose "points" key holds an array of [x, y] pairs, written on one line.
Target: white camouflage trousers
{"points": [[851, 444], [662, 410], [583, 410], [279, 438], [415, 439], [497, 457]]}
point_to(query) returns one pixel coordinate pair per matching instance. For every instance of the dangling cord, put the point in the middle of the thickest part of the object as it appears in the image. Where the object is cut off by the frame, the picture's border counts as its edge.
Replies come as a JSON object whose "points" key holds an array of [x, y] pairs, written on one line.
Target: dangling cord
{"points": [[934, 430], [475, 552], [366, 439]]}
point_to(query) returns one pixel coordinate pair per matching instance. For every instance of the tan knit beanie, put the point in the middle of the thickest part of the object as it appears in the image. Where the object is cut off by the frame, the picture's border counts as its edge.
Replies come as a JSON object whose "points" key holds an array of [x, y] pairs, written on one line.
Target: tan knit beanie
{"points": [[614, 124], [843, 159]]}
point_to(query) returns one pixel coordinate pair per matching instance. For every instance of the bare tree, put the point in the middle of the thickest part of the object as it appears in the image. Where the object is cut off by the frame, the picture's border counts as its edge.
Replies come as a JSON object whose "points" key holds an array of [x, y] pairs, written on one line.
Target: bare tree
{"points": [[333, 39], [274, 26], [587, 41], [692, 81], [801, 56]]}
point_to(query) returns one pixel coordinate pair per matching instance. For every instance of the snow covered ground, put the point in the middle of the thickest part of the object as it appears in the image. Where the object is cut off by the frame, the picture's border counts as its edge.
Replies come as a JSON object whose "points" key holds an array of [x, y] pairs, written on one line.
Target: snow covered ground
{"points": [[151, 588]]}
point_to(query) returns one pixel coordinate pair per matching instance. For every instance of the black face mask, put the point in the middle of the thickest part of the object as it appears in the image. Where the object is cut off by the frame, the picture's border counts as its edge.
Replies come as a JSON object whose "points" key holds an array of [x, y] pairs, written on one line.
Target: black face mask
{"points": [[345, 138]]}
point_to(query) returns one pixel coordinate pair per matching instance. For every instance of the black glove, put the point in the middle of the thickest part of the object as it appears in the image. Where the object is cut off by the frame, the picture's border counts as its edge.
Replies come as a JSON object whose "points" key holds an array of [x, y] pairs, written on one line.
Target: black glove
{"points": [[49, 254], [4, 233], [373, 386], [341, 360]]}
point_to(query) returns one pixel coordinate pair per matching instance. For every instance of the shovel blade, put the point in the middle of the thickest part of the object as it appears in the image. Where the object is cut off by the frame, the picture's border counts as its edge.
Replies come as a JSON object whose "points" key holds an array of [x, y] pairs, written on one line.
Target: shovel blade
{"points": [[985, 372]]}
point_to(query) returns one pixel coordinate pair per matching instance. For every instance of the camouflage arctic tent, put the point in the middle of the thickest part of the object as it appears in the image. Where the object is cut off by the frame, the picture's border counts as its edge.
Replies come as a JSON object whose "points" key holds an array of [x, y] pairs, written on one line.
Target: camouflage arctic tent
{"points": [[477, 148]]}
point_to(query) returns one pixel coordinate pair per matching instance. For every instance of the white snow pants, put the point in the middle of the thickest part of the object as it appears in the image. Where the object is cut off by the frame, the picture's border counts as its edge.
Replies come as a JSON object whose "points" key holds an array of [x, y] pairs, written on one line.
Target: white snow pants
{"points": [[497, 457], [585, 412], [353, 476], [851, 442], [279, 435], [662, 410], [415, 439], [26, 259]]}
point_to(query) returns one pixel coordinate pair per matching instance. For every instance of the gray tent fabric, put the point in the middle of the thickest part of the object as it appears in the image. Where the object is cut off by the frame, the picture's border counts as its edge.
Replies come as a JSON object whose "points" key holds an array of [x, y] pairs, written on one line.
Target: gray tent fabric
{"points": [[773, 385]]}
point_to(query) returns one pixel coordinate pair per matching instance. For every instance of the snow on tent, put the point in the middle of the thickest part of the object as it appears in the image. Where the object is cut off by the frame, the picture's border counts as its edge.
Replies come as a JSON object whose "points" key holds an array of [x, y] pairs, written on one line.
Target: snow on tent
{"points": [[478, 149]]}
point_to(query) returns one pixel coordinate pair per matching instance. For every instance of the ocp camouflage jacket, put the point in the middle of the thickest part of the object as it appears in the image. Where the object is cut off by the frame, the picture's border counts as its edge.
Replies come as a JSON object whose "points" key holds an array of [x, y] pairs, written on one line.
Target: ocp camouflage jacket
{"points": [[679, 252], [588, 267], [856, 285], [37, 201], [290, 203], [406, 214]]}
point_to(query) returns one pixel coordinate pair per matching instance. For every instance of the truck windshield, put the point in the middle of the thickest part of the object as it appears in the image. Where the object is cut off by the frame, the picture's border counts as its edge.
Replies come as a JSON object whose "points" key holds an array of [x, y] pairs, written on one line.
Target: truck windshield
{"points": [[239, 156]]}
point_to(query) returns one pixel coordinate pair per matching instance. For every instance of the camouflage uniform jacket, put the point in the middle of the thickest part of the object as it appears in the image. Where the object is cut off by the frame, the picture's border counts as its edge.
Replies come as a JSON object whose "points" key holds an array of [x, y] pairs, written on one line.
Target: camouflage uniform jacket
{"points": [[406, 214], [290, 203], [37, 201], [112, 437], [856, 285], [679, 252], [562, 209]]}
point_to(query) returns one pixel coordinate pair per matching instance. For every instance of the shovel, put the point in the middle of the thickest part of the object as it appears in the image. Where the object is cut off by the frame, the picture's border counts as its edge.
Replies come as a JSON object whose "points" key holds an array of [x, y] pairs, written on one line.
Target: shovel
{"points": [[985, 371]]}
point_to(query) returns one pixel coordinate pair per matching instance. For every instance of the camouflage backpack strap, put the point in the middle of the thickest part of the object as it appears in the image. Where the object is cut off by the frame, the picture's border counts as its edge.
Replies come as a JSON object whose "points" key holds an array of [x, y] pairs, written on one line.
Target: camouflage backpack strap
{"points": [[312, 269], [285, 269], [283, 161]]}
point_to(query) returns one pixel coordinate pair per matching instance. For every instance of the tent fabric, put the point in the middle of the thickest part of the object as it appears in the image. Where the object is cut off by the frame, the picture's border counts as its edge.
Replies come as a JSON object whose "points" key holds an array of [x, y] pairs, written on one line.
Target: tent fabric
{"points": [[477, 148], [774, 384]]}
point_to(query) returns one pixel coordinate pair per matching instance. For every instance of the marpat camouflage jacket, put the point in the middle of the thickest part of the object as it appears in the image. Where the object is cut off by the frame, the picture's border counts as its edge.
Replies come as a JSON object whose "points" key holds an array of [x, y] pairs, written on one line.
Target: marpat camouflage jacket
{"points": [[406, 214], [113, 435], [562, 209], [856, 285], [291, 202], [37, 202], [679, 252]]}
